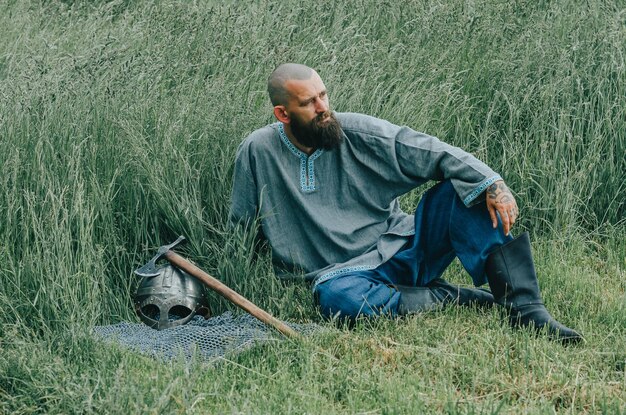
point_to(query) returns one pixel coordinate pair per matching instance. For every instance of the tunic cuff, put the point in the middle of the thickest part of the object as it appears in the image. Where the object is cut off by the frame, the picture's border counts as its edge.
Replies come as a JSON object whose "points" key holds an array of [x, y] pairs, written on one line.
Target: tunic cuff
{"points": [[481, 188]]}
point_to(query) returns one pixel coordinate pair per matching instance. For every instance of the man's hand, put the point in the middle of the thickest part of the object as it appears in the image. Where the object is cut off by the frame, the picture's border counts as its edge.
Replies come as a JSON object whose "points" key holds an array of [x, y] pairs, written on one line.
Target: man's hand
{"points": [[500, 199]]}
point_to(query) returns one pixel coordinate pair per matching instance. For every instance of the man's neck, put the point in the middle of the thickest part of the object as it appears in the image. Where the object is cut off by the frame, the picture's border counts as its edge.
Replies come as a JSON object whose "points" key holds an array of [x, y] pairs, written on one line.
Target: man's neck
{"points": [[306, 150]]}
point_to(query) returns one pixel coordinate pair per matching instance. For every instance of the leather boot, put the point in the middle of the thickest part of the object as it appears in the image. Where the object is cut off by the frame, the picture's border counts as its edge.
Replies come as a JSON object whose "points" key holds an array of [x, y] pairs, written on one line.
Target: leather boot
{"points": [[513, 281], [438, 294]]}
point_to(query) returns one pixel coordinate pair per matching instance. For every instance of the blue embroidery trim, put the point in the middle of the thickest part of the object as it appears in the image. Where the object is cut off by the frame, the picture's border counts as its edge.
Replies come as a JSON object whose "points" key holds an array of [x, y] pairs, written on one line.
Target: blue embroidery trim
{"points": [[480, 189], [307, 166], [337, 272], [311, 172], [289, 144]]}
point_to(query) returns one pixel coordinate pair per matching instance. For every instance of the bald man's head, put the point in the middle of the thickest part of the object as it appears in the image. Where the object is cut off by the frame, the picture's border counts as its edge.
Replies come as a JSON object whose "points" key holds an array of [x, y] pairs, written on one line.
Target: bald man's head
{"points": [[286, 72]]}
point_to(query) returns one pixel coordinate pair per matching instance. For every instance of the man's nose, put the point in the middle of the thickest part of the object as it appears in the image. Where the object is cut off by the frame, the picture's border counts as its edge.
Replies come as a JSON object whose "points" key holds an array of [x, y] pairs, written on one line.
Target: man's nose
{"points": [[320, 105]]}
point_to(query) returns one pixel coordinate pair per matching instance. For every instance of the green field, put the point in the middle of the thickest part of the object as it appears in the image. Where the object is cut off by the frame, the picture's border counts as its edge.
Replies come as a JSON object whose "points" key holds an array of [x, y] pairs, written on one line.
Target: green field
{"points": [[119, 123]]}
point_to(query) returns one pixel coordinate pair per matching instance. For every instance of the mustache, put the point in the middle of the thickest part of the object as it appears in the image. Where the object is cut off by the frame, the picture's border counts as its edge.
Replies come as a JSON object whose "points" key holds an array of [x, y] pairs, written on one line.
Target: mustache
{"points": [[323, 115]]}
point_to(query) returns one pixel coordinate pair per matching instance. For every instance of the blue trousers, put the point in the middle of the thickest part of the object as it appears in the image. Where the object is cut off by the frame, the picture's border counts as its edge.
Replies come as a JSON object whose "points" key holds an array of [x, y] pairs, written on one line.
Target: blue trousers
{"points": [[444, 229]]}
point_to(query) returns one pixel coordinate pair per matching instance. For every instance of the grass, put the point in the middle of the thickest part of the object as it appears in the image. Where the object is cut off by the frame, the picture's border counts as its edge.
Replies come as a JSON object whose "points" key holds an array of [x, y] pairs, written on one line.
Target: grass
{"points": [[119, 121]]}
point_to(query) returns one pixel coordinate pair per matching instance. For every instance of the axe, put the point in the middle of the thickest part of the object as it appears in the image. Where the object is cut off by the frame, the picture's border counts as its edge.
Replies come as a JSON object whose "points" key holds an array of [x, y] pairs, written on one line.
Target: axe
{"points": [[150, 270]]}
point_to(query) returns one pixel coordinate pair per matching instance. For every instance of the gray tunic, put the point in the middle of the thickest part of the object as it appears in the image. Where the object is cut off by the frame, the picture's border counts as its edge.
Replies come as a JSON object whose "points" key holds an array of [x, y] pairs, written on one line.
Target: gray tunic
{"points": [[337, 211]]}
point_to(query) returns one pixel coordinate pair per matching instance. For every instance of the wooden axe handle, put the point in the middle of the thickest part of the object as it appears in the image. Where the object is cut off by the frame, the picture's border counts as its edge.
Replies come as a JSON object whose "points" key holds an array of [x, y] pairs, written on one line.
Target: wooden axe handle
{"points": [[232, 296]]}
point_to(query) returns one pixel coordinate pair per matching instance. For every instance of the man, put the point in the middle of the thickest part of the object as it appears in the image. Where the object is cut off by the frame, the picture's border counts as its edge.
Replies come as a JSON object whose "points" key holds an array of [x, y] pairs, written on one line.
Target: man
{"points": [[324, 186]]}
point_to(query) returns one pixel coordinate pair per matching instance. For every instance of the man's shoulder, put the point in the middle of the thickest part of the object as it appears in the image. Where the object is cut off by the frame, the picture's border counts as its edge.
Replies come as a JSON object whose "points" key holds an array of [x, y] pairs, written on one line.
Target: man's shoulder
{"points": [[260, 138], [356, 123]]}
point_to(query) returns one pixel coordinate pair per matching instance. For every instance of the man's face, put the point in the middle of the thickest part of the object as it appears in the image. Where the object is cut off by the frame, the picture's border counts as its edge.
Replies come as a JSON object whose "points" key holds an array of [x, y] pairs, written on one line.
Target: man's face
{"points": [[312, 122]]}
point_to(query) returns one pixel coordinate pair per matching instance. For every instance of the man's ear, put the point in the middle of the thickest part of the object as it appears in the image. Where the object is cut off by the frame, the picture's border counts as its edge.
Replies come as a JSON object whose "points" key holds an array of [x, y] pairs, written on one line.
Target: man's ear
{"points": [[280, 112]]}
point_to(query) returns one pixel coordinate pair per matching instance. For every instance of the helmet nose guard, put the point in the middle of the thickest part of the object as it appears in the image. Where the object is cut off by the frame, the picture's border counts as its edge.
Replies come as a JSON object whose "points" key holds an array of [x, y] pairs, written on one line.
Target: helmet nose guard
{"points": [[169, 299]]}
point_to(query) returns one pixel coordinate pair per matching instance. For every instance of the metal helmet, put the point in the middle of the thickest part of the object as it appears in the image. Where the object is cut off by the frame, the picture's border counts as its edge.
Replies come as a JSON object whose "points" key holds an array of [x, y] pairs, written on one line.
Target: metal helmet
{"points": [[170, 298]]}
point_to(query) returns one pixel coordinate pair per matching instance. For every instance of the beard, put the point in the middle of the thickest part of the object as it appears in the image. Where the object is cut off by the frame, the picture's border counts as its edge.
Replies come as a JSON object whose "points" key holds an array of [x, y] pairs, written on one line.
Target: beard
{"points": [[317, 133]]}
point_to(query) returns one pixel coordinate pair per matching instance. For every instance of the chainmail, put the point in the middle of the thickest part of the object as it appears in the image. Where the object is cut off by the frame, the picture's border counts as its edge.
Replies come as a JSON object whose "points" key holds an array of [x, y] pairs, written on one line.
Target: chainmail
{"points": [[209, 339]]}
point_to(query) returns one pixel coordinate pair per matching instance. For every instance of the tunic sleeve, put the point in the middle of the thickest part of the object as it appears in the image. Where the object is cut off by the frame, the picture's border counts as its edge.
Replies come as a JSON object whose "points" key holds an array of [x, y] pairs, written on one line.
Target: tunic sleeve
{"points": [[421, 156], [243, 208]]}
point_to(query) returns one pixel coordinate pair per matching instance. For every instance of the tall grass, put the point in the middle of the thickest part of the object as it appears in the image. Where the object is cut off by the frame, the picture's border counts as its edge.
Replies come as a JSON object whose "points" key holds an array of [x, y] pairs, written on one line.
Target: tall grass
{"points": [[118, 126]]}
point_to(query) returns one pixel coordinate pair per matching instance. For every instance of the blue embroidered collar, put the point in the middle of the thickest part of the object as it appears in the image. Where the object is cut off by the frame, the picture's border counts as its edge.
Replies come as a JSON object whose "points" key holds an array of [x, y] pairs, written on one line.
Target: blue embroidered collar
{"points": [[307, 163]]}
